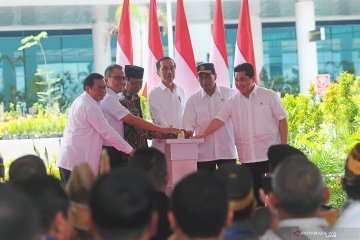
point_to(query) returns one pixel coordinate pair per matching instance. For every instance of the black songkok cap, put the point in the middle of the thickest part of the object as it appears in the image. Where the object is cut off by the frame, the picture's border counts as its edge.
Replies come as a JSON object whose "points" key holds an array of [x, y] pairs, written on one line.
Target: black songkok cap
{"points": [[132, 71]]}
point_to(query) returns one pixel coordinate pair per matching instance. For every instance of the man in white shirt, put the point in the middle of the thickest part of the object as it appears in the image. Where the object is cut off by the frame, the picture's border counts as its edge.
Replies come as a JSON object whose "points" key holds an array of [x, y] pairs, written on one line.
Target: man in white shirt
{"points": [[86, 129], [219, 147], [259, 121], [298, 191], [116, 114], [166, 101]]}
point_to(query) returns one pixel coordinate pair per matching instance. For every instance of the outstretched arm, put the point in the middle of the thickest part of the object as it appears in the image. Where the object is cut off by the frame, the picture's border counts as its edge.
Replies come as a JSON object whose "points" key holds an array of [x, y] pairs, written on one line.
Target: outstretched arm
{"points": [[141, 123], [214, 125]]}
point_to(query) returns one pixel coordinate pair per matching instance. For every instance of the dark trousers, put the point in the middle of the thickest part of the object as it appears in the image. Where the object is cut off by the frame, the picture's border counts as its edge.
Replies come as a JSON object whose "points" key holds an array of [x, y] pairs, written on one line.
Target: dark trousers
{"points": [[117, 158], [257, 170], [64, 175], [211, 165]]}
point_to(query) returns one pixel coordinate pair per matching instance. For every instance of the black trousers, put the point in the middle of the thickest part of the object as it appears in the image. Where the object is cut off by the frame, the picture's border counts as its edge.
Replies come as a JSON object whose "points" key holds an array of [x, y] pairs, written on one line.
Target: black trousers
{"points": [[211, 165], [117, 158], [258, 169]]}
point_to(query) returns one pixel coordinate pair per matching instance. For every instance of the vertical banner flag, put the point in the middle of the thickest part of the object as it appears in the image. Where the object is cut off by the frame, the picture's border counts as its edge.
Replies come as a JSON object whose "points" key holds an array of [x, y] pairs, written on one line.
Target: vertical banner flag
{"points": [[218, 54], [124, 54], [186, 76], [155, 51], [244, 48]]}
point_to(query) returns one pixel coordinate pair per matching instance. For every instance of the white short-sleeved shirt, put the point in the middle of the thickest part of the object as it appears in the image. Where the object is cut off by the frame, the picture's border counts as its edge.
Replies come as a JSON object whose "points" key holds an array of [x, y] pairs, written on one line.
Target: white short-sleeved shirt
{"points": [[113, 112], [166, 107], [84, 133], [200, 109], [256, 122]]}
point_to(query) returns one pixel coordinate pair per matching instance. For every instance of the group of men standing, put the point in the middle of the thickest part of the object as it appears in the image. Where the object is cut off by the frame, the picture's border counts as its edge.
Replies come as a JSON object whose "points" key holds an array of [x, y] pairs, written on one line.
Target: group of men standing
{"points": [[247, 120]]}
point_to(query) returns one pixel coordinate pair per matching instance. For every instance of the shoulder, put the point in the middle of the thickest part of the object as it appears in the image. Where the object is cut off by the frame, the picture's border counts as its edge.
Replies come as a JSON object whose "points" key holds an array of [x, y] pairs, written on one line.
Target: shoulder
{"points": [[152, 95], [225, 91]]}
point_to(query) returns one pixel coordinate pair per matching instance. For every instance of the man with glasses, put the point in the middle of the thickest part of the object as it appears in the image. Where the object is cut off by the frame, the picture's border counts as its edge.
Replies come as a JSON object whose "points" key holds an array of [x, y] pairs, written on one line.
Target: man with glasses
{"points": [[259, 120], [86, 129], [218, 148], [116, 114]]}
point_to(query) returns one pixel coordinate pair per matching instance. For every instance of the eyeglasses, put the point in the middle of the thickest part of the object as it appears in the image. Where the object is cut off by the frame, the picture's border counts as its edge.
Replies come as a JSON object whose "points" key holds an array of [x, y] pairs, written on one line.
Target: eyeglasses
{"points": [[119, 78]]}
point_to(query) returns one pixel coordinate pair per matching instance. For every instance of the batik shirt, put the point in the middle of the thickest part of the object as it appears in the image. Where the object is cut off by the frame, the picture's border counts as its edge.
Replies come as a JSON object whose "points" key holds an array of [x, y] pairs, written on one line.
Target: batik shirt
{"points": [[136, 137]]}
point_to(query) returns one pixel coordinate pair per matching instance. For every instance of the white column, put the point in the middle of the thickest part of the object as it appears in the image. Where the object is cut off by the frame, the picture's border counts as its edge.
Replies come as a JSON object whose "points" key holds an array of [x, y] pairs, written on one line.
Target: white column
{"points": [[200, 31], [101, 38], [307, 54], [256, 28]]}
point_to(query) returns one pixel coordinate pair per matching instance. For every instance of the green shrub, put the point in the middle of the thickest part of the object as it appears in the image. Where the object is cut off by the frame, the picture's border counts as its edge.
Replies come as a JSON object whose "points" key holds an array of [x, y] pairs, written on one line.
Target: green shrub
{"points": [[326, 129]]}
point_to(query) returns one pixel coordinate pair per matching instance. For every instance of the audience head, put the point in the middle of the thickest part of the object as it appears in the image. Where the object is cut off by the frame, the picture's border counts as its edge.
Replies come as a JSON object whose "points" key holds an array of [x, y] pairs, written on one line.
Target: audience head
{"points": [[26, 166], [78, 189], [51, 203], [18, 219], [278, 152], [238, 181], [153, 163], [122, 205], [351, 180], [298, 188], [199, 206]]}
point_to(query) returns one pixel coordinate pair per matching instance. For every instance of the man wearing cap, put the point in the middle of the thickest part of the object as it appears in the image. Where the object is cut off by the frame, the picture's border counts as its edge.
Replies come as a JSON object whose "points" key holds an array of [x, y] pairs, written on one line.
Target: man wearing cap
{"points": [[239, 186], [218, 147], [259, 120], [166, 101], [116, 114], [130, 99]]}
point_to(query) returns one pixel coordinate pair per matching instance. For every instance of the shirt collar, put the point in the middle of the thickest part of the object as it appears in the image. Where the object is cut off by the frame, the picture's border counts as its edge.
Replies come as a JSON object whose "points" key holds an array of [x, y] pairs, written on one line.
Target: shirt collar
{"points": [[110, 92], [163, 87], [217, 91]]}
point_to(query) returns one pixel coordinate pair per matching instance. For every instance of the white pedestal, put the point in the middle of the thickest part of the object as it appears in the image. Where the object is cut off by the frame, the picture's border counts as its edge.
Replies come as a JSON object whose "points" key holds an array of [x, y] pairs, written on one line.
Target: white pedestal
{"points": [[182, 156]]}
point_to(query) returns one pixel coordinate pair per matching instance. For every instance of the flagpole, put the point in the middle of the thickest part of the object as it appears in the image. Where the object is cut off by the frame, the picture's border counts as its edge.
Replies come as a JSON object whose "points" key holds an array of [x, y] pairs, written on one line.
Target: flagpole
{"points": [[170, 29]]}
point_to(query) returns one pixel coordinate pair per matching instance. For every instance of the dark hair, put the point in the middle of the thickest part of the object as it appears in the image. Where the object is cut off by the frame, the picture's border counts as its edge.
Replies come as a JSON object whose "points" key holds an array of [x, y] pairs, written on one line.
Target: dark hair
{"points": [[153, 163], [158, 62], [298, 184], [90, 79], [278, 152], [47, 196], [245, 67], [109, 69], [199, 203], [351, 181], [122, 203], [26, 166], [18, 219]]}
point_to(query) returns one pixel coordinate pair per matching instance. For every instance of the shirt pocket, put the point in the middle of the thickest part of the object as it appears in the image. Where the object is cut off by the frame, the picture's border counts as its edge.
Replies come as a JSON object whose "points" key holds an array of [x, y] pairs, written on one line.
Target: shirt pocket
{"points": [[263, 119], [202, 114]]}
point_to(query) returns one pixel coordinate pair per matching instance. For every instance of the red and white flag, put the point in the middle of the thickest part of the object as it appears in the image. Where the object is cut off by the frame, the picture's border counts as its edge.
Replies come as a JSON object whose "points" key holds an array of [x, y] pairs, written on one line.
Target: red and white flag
{"points": [[186, 75], [218, 54], [154, 52], [124, 53], [244, 48]]}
